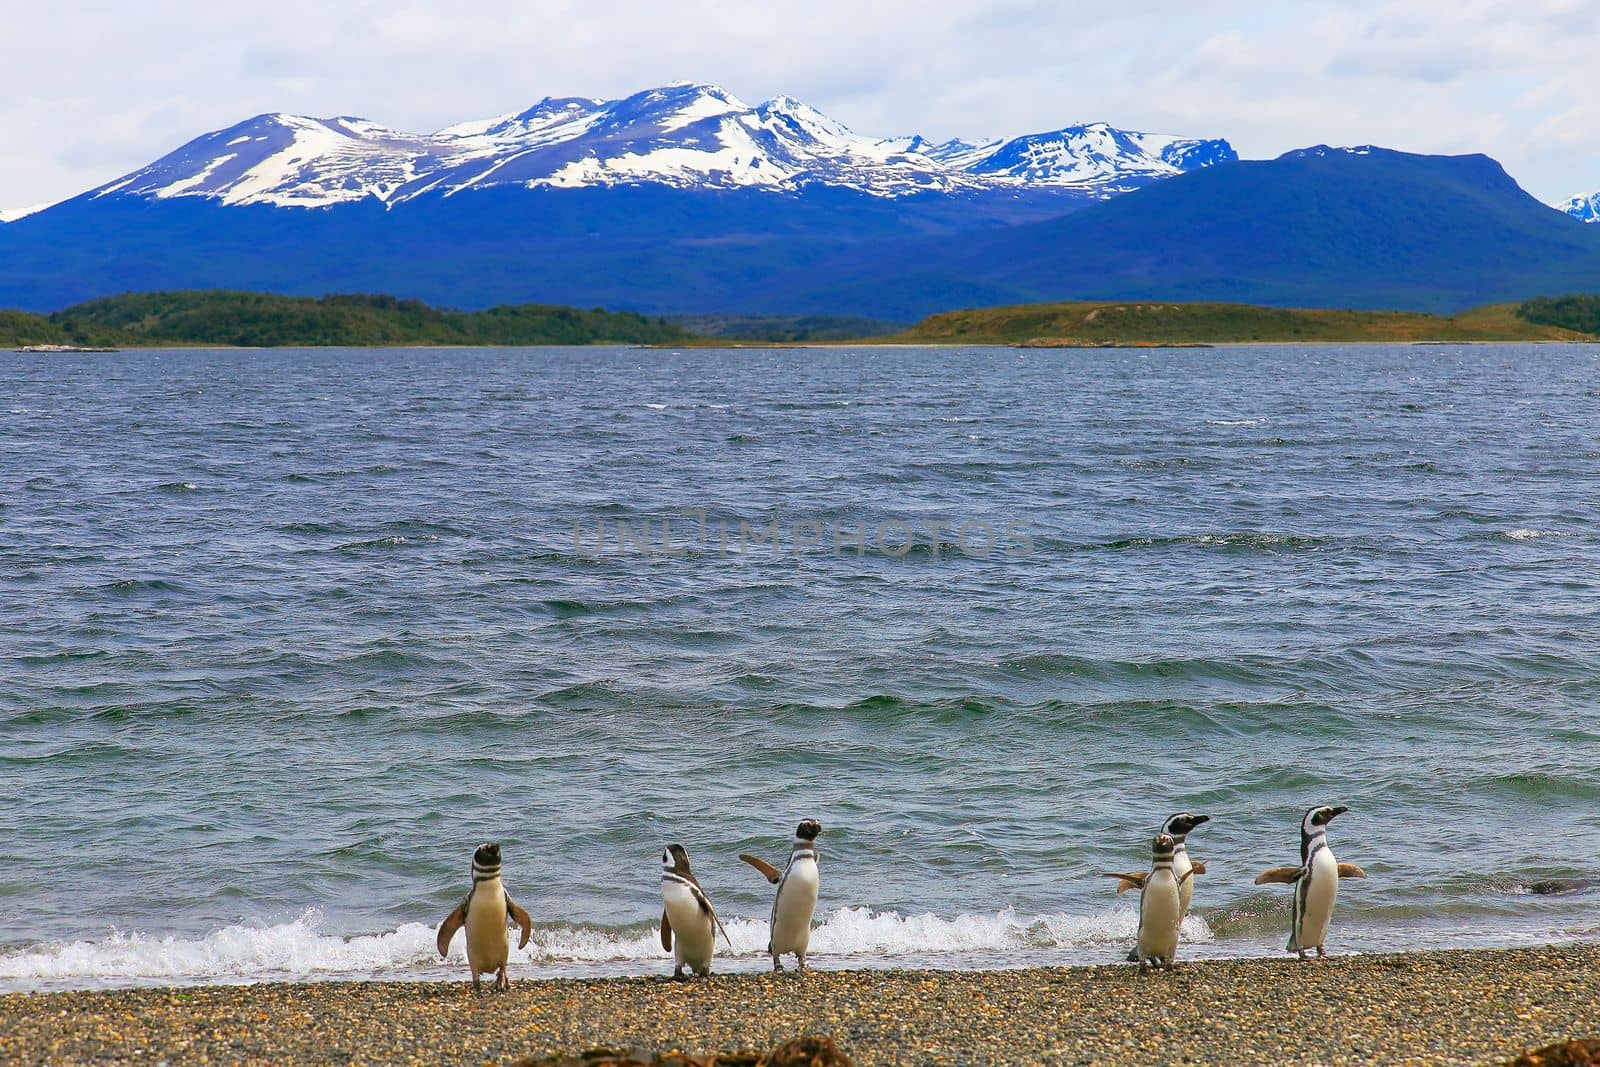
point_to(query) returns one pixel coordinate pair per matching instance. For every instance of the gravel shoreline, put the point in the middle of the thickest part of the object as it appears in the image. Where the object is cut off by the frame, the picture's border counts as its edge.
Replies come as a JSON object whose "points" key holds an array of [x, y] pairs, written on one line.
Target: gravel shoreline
{"points": [[1478, 1006]]}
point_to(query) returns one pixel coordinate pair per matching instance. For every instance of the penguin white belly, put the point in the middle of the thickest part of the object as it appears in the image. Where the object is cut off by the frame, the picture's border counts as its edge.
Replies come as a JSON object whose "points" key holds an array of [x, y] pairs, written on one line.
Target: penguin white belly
{"points": [[1182, 865], [792, 911], [1159, 917], [1314, 901], [692, 932], [488, 941]]}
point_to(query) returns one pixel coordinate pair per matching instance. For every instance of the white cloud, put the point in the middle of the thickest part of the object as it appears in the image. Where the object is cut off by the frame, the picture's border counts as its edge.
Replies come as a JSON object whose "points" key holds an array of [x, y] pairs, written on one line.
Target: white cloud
{"points": [[1513, 78]]}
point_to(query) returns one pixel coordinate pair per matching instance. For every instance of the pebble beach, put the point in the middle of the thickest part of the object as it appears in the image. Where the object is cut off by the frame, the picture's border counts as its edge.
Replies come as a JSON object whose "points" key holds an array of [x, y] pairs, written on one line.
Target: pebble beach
{"points": [[1456, 1007]]}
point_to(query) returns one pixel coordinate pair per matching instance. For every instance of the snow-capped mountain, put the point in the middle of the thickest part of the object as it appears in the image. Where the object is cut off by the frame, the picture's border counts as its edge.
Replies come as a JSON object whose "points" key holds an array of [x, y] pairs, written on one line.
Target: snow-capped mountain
{"points": [[1583, 208], [286, 160], [1097, 154], [683, 136]]}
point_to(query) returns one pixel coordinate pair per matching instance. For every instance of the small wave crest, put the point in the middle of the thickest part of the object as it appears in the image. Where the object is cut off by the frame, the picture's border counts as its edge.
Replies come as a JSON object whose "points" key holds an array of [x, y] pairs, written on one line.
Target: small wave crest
{"points": [[392, 541], [1523, 886], [1530, 535], [1235, 540]]}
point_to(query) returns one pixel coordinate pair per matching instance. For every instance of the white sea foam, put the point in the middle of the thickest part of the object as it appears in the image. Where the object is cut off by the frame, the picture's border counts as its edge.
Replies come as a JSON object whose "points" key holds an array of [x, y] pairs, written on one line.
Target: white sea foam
{"points": [[301, 950], [234, 952], [1529, 535]]}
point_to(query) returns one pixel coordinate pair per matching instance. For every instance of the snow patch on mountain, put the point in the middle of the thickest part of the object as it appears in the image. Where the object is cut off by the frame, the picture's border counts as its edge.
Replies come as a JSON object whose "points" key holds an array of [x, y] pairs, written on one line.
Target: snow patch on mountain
{"points": [[1583, 208], [682, 135], [14, 213], [1095, 155], [1320, 151]]}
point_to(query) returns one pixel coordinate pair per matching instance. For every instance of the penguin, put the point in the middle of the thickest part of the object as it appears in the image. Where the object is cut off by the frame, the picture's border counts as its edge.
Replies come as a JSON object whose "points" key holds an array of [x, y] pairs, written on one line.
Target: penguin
{"points": [[1315, 881], [792, 908], [1178, 827], [689, 925], [484, 913], [1159, 904]]}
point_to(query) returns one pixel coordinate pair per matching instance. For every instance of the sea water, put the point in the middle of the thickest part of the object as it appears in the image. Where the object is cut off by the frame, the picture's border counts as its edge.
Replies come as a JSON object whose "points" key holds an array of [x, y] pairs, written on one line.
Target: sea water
{"points": [[284, 634]]}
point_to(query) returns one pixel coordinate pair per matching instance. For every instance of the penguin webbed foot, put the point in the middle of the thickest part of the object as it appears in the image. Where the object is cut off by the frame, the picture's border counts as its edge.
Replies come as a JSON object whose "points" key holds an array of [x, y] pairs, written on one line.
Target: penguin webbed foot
{"points": [[678, 975]]}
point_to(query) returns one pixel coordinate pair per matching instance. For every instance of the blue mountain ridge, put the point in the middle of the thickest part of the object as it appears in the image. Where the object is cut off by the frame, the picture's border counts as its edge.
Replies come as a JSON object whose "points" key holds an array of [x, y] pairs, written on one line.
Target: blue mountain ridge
{"points": [[645, 247], [1363, 228]]}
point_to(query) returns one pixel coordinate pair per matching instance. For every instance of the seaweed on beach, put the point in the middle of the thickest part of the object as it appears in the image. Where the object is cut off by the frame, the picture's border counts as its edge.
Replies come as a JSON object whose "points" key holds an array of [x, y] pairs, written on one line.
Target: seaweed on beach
{"points": [[808, 1051]]}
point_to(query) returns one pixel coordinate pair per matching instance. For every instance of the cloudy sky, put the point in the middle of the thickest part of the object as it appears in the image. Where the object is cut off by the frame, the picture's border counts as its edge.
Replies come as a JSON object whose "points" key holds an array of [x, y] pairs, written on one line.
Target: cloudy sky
{"points": [[87, 95]]}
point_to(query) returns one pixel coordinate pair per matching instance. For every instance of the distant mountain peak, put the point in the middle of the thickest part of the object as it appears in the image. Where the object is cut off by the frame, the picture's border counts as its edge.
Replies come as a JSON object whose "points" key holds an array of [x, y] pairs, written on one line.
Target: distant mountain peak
{"points": [[1097, 153], [690, 135], [686, 85]]}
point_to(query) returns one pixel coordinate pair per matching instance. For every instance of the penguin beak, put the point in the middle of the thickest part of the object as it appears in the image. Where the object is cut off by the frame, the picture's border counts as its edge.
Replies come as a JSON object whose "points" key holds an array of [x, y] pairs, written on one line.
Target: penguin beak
{"points": [[1198, 819], [1338, 810]]}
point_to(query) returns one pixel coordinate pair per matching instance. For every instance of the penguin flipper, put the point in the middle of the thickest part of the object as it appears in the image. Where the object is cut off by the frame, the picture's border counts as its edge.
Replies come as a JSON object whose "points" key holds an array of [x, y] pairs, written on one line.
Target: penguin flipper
{"points": [[1198, 867], [705, 906], [1126, 882], [666, 931], [706, 902], [520, 917], [1280, 875], [768, 871], [1350, 870], [452, 922]]}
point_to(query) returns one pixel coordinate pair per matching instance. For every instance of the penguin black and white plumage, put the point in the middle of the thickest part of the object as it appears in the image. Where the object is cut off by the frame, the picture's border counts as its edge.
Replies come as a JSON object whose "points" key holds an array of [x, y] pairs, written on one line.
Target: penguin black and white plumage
{"points": [[484, 913], [796, 900], [1315, 881], [1159, 909], [689, 924], [1178, 827]]}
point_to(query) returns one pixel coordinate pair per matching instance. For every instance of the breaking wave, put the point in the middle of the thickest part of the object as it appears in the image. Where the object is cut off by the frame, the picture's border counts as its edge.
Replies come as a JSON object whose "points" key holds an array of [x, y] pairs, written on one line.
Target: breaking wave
{"points": [[301, 949]]}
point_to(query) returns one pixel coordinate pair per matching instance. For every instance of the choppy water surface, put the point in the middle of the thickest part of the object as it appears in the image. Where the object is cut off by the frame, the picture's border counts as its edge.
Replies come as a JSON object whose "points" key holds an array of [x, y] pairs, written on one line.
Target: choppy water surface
{"points": [[286, 633]]}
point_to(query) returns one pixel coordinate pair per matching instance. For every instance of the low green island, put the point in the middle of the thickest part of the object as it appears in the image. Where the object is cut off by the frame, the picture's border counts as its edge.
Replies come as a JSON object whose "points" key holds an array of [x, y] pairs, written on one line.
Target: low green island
{"points": [[1161, 323], [264, 320]]}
